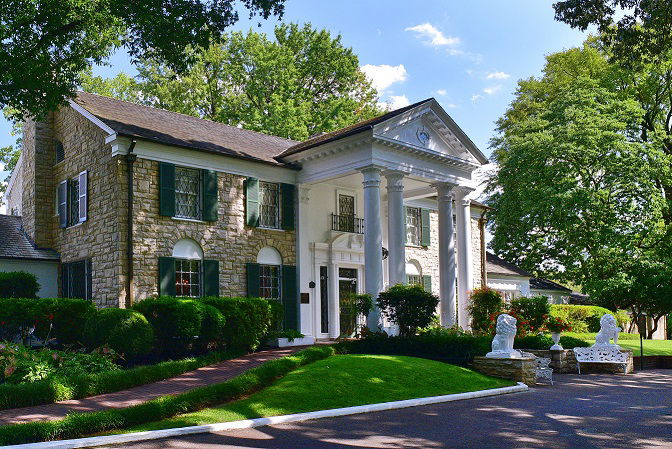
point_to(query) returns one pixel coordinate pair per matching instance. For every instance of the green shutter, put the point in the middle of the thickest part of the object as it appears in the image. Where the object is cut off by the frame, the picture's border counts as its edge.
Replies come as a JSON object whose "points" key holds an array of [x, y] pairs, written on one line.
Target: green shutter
{"points": [[211, 278], [426, 238], [210, 203], [166, 276], [253, 280], [167, 189], [252, 202], [287, 198], [427, 283], [290, 297], [65, 280]]}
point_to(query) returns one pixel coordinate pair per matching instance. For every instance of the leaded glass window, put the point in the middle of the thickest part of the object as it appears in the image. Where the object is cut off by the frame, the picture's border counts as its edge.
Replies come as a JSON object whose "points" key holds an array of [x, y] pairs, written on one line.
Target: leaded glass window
{"points": [[73, 202], [413, 226], [187, 277], [269, 211], [269, 281], [414, 279], [187, 193], [346, 213]]}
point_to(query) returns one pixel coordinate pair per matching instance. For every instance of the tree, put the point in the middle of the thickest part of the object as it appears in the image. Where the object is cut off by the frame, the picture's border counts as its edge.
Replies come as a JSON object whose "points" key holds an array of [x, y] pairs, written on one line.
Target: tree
{"points": [[642, 33], [47, 44], [410, 307], [583, 186], [300, 83]]}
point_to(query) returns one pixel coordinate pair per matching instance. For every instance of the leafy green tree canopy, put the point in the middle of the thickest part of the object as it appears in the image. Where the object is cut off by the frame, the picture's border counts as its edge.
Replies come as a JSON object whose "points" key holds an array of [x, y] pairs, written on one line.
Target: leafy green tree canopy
{"points": [[302, 82], [47, 44]]}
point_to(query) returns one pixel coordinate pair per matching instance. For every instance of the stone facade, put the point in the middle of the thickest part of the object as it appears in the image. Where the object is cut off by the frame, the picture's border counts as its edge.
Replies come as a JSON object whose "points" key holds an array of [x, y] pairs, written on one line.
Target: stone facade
{"points": [[428, 257], [519, 370], [227, 240]]}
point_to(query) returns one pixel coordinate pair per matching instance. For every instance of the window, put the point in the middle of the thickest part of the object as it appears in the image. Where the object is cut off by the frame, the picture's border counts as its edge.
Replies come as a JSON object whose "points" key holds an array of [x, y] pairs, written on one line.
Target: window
{"points": [[346, 213], [269, 282], [76, 279], [269, 200], [187, 277], [413, 273], [73, 202], [187, 193], [59, 152], [413, 226]]}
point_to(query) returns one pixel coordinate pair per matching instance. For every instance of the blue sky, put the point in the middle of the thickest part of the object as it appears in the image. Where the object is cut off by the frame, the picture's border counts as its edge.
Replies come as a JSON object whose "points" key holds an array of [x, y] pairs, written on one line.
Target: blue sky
{"points": [[467, 54]]}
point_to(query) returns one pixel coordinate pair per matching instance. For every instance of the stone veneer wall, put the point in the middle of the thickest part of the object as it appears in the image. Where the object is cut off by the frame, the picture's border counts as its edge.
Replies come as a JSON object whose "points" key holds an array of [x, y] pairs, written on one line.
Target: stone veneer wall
{"points": [[428, 257], [227, 240]]}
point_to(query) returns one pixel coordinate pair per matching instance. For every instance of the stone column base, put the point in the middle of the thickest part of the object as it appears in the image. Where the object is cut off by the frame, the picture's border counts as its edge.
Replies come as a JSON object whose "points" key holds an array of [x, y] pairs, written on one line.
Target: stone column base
{"points": [[519, 370]]}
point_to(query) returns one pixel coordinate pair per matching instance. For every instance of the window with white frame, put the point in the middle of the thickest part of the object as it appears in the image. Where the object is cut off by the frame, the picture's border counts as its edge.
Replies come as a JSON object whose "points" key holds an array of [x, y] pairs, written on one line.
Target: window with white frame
{"points": [[269, 281], [413, 274], [187, 193], [188, 277], [413, 226], [269, 205], [73, 202]]}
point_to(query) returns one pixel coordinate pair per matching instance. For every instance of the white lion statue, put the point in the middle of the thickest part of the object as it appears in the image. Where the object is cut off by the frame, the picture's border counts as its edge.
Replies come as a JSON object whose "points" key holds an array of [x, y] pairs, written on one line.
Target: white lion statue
{"points": [[502, 344], [608, 330]]}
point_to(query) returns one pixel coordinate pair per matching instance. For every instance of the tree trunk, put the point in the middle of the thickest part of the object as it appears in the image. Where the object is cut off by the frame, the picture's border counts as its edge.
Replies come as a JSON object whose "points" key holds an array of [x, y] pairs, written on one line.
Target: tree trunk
{"points": [[654, 328]]}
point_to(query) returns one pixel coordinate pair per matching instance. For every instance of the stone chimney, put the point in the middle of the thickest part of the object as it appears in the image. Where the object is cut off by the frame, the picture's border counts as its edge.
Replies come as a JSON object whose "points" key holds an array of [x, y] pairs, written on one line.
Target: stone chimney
{"points": [[38, 198]]}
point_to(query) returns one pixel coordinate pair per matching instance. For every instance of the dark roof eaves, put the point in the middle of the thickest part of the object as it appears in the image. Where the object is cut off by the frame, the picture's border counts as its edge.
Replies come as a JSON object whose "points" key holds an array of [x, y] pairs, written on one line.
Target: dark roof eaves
{"points": [[291, 152], [38, 259]]}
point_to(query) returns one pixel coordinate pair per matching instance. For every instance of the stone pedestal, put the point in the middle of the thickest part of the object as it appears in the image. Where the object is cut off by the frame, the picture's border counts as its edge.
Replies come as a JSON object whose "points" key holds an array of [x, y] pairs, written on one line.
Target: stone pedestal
{"points": [[519, 370]]}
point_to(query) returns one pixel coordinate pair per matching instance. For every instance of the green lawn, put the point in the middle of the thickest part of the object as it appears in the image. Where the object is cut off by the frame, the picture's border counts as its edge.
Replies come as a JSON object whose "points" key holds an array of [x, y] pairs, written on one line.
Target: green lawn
{"points": [[343, 381], [631, 341]]}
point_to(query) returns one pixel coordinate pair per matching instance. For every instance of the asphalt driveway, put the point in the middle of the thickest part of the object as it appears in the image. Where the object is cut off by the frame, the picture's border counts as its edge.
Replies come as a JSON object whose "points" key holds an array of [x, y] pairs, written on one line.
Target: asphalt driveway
{"points": [[589, 411]]}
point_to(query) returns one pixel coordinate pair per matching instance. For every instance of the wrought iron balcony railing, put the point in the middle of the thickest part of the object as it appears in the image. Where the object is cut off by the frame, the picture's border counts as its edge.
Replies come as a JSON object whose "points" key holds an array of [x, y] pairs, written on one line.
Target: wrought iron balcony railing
{"points": [[347, 223]]}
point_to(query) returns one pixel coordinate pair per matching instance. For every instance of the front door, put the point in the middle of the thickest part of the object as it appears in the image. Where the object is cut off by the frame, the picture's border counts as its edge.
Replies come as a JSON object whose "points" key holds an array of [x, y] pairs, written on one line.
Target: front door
{"points": [[347, 288]]}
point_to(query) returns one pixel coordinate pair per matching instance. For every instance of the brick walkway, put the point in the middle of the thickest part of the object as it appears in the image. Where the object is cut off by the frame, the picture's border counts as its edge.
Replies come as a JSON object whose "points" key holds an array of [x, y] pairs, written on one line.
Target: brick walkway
{"points": [[212, 374]]}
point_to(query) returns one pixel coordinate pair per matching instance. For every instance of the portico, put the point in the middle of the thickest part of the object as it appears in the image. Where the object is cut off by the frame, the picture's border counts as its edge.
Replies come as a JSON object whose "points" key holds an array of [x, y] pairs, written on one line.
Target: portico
{"points": [[399, 172]]}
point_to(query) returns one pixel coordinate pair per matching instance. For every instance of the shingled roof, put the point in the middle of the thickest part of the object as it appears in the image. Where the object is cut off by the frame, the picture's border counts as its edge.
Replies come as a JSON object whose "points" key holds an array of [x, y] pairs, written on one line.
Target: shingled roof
{"points": [[15, 244], [171, 128], [497, 265], [545, 284]]}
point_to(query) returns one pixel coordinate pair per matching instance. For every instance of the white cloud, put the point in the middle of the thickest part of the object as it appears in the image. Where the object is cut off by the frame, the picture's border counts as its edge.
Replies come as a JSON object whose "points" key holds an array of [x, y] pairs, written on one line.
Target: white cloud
{"points": [[450, 105], [492, 89], [497, 76], [442, 92], [476, 97], [384, 75], [398, 101], [433, 36]]}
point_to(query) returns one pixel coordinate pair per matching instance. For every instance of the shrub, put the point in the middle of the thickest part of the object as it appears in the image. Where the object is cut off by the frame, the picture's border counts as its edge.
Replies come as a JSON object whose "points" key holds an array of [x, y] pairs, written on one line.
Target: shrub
{"points": [[669, 327], [446, 345], [584, 319], [212, 327], [248, 320], [532, 311], [126, 331], [409, 306], [545, 342], [62, 318], [18, 284], [485, 302]]}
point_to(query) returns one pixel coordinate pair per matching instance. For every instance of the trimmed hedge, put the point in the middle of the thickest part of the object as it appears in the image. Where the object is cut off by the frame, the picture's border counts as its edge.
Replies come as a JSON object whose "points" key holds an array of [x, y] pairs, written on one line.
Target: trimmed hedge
{"points": [[66, 315], [62, 389], [126, 331], [545, 342], [586, 318], [248, 320], [18, 284], [76, 425]]}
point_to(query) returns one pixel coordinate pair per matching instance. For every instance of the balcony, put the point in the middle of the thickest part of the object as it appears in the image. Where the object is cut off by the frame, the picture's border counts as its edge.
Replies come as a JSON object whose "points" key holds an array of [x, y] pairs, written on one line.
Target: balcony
{"points": [[347, 223]]}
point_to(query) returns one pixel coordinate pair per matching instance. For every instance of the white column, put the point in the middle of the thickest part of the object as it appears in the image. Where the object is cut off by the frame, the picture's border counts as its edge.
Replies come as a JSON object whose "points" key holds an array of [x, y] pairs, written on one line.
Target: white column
{"points": [[396, 260], [303, 263], [373, 241], [446, 254], [334, 301], [465, 268]]}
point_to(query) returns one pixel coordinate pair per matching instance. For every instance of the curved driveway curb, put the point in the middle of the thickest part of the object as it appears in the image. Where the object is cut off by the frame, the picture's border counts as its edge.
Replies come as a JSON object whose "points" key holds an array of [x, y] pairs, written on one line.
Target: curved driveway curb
{"points": [[249, 423]]}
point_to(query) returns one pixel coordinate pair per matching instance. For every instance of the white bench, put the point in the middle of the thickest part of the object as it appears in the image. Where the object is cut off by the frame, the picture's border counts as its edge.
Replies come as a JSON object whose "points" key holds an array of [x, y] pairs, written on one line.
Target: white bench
{"points": [[602, 354]]}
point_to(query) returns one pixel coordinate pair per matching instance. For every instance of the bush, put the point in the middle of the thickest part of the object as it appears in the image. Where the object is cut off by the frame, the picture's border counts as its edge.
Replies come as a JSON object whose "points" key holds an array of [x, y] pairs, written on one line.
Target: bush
{"points": [[126, 331], [180, 324], [485, 303], [532, 311], [248, 320], [545, 342], [409, 306], [18, 284], [446, 345], [76, 425], [584, 319], [62, 318], [669, 327]]}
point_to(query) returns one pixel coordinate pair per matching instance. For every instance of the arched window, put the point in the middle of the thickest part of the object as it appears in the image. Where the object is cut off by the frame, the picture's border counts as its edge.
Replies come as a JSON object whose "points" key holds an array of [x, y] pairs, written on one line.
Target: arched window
{"points": [[413, 273], [270, 262], [188, 257]]}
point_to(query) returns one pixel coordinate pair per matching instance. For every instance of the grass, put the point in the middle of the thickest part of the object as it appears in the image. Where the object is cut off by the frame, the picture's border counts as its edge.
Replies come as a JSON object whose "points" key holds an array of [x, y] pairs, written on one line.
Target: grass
{"points": [[631, 341], [343, 381]]}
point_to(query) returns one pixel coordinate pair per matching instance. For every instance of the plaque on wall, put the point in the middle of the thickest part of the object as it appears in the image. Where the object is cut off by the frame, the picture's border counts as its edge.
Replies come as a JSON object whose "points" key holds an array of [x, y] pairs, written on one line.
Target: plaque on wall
{"points": [[305, 298]]}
